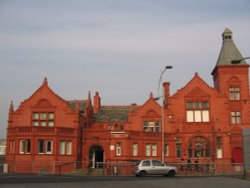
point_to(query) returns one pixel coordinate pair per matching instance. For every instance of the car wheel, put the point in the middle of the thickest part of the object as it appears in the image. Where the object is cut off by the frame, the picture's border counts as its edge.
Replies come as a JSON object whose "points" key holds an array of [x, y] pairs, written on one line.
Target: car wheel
{"points": [[171, 173], [142, 173]]}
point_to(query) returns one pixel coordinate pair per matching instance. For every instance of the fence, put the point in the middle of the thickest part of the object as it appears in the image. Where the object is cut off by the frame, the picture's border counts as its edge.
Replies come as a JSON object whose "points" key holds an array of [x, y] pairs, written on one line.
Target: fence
{"points": [[209, 168], [43, 167], [117, 168]]}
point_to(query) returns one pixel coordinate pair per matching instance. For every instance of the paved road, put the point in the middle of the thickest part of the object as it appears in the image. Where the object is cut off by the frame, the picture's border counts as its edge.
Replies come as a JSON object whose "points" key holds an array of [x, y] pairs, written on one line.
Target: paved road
{"points": [[36, 181]]}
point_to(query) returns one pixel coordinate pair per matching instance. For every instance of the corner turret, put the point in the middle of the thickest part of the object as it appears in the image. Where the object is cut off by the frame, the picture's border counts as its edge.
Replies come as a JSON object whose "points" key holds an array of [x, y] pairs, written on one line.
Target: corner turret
{"points": [[229, 51]]}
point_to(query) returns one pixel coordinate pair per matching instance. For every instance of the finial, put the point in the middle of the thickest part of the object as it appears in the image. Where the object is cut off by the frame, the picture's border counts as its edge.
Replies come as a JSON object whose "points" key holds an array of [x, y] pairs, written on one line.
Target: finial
{"points": [[89, 98], [151, 95], [11, 108], [45, 81]]}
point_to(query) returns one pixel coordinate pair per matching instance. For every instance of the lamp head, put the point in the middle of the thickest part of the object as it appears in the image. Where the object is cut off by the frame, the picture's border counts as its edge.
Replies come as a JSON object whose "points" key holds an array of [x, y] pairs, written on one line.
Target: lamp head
{"points": [[156, 98], [237, 61], [168, 67]]}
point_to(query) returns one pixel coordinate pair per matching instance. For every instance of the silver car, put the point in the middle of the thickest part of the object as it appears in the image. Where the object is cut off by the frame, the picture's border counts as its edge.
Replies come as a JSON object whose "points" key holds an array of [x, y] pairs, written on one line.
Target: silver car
{"points": [[154, 167]]}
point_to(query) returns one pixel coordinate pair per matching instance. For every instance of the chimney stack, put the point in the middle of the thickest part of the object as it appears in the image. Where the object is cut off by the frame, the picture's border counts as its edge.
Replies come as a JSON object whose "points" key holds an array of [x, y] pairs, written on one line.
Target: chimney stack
{"points": [[97, 102], [166, 86]]}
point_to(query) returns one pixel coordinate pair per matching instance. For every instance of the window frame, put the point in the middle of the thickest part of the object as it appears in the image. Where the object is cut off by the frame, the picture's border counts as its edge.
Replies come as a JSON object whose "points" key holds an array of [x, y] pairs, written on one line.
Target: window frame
{"points": [[166, 150], [118, 149], [148, 150], [198, 147], [65, 147], [234, 93], [43, 118], [151, 150], [24, 146], [152, 126], [197, 111], [219, 147], [44, 147], [135, 149], [154, 150], [235, 117]]}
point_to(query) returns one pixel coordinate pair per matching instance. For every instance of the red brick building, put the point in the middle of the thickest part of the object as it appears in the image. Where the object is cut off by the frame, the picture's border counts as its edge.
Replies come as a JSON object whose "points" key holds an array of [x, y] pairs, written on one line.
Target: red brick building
{"points": [[200, 121]]}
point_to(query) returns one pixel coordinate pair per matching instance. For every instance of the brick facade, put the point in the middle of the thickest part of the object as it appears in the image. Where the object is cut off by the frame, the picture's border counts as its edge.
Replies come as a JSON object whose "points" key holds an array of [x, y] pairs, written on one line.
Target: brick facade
{"points": [[200, 121]]}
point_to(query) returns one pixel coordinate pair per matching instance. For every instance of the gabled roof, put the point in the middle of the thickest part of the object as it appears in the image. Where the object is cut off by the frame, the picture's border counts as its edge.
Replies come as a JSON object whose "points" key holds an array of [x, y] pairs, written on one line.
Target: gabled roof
{"points": [[113, 113], [45, 86], [194, 84], [42, 92], [229, 51], [121, 113]]}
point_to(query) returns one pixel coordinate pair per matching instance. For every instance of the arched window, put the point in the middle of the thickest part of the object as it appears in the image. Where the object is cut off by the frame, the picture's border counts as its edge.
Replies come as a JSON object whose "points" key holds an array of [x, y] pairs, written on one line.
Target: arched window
{"points": [[198, 147]]}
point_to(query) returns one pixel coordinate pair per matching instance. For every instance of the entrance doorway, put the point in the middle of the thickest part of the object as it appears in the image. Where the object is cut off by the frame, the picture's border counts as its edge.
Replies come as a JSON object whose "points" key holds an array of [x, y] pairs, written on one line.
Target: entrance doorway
{"points": [[96, 154], [237, 155]]}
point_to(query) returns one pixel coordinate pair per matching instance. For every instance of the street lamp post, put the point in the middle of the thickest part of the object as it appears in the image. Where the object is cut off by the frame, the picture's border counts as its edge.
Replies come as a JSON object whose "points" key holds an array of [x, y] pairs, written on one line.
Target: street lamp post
{"points": [[162, 111]]}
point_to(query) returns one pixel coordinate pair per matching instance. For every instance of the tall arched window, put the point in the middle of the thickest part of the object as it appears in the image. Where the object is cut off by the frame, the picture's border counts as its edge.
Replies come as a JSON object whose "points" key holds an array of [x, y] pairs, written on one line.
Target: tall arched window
{"points": [[198, 147]]}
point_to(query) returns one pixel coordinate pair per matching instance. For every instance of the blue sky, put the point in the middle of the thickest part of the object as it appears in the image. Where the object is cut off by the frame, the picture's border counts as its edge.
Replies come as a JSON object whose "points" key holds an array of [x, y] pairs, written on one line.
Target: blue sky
{"points": [[116, 47]]}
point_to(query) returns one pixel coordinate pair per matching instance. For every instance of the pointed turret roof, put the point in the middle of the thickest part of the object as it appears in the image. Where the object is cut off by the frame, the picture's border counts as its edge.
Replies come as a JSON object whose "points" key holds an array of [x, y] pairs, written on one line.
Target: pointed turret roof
{"points": [[229, 51]]}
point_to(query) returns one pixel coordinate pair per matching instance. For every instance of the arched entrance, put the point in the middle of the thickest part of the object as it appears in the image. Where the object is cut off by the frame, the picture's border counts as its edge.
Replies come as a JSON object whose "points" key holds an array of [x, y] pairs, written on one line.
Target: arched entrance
{"points": [[96, 154], [198, 147], [237, 155]]}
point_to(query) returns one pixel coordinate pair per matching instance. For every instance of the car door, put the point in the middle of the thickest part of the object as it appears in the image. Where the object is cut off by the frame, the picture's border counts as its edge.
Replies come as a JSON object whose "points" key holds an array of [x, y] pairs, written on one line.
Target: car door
{"points": [[147, 166], [158, 167]]}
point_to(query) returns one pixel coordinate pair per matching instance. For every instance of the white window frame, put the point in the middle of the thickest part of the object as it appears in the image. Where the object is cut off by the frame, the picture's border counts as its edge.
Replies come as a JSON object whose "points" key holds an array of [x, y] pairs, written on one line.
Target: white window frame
{"points": [[148, 149], [22, 146], [47, 151], [151, 126], [166, 150], [235, 118], [62, 147], [68, 147], [51, 116], [197, 112], [65, 147], [154, 150], [219, 152], [45, 146], [43, 119], [135, 149], [43, 116]]}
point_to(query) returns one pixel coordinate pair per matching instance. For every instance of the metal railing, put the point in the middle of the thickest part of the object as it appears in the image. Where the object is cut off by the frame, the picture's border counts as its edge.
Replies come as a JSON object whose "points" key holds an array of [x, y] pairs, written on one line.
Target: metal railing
{"points": [[116, 168]]}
